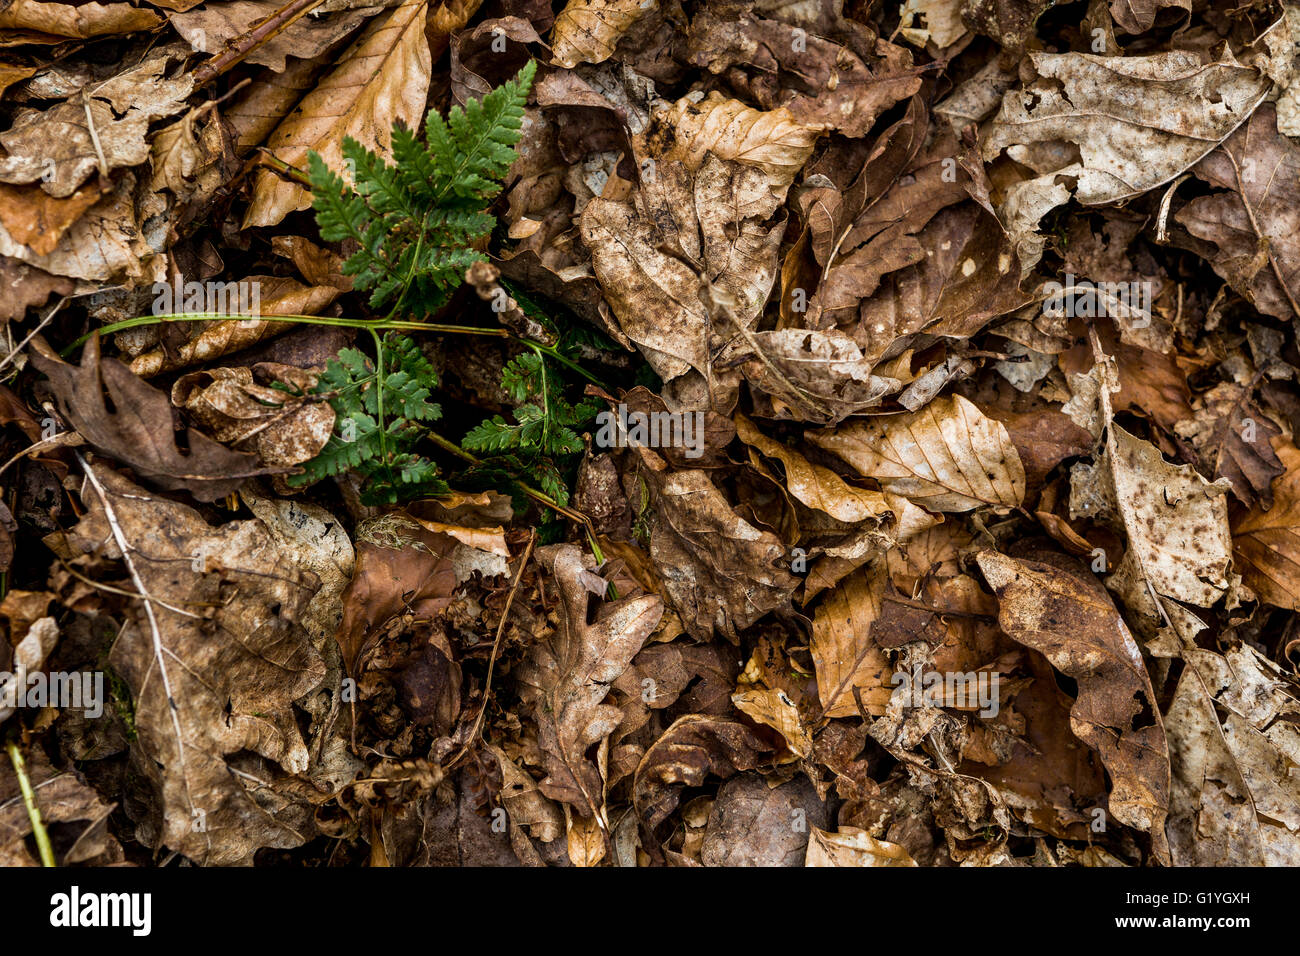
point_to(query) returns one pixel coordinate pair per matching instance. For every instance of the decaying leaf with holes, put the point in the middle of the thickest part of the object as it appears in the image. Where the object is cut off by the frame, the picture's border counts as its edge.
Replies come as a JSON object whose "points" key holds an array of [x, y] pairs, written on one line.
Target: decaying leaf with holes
{"points": [[214, 654], [568, 676]]}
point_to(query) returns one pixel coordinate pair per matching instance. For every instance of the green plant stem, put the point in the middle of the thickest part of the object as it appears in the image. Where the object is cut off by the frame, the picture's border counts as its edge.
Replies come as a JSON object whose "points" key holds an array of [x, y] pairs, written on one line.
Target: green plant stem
{"points": [[379, 402], [275, 164], [388, 325], [540, 497], [29, 800]]}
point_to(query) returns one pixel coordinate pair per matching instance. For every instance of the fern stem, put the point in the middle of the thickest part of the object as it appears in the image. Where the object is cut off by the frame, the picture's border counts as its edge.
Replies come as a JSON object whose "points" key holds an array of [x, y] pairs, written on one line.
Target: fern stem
{"points": [[540, 497], [551, 352], [388, 325], [385, 326], [275, 164], [379, 403]]}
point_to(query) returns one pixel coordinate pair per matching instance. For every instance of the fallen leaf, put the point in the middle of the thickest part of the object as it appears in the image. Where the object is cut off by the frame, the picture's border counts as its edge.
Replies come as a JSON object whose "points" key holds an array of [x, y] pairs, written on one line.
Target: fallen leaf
{"points": [[212, 693], [1054, 606], [1266, 542], [381, 78], [850, 846], [568, 677], [136, 428], [586, 31], [946, 457], [57, 147]]}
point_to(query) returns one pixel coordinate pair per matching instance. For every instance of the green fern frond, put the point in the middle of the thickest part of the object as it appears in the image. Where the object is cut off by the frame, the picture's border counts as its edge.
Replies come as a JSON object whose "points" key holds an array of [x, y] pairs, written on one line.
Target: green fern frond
{"points": [[416, 221], [378, 422]]}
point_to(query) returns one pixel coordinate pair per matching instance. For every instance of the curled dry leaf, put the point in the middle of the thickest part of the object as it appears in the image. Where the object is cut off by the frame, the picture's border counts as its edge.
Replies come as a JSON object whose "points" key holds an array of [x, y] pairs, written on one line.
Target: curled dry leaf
{"points": [[1175, 521], [276, 295], [816, 485], [822, 83], [694, 747], [1267, 541], [712, 175], [850, 846], [281, 427], [1053, 605], [44, 22], [1138, 121], [586, 31], [1253, 220], [381, 78], [718, 570], [1134, 122], [948, 456], [568, 677], [138, 429], [209, 27]]}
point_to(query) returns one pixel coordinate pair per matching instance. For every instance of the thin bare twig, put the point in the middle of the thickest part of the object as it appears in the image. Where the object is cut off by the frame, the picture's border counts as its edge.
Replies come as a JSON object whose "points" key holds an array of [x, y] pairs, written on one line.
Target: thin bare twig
{"points": [[496, 649], [123, 545]]}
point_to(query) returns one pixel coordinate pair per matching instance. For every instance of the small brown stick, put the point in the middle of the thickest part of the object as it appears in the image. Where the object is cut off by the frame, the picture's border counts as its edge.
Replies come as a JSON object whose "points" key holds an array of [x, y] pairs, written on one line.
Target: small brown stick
{"points": [[159, 651], [252, 39], [496, 648]]}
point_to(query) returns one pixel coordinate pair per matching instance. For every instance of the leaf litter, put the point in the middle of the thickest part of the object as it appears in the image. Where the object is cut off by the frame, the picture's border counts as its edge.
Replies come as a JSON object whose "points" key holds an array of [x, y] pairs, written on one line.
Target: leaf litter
{"points": [[605, 433]]}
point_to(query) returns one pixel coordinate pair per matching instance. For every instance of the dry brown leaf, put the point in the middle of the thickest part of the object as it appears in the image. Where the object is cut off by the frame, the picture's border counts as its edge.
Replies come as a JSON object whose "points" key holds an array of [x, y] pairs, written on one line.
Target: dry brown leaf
{"points": [[210, 26], [1252, 221], [706, 195], [822, 83], [64, 800], [281, 427], [816, 485], [56, 147], [720, 572], [947, 457], [37, 220], [694, 747], [1235, 800], [850, 846], [213, 693], [819, 377], [1175, 521], [1138, 121], [31, 18], [138, 429], [381, 78], [400, 569], [586, 31], [1267, 542], [568, 677], [277, 295], [773, 708], [849, 664], [1135, 122], [1053, 605]]}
